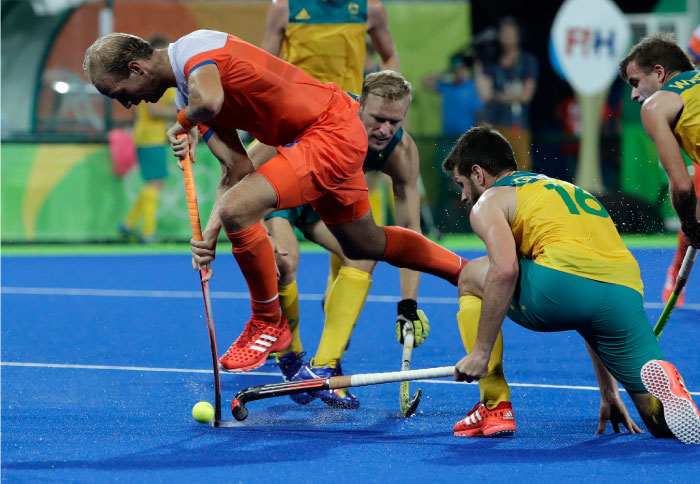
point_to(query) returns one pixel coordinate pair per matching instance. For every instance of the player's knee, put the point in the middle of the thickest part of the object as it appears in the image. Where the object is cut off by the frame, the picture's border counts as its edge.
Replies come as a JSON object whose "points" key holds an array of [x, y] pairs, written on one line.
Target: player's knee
{"points": [[287, 264], [472, 278]]}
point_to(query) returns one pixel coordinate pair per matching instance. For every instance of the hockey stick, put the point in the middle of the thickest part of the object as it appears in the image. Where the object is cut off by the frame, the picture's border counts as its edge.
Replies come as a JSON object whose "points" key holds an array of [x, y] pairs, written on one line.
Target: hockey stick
{"points": [[681, 280], [196, 227], [408, 407], [240, 412]]}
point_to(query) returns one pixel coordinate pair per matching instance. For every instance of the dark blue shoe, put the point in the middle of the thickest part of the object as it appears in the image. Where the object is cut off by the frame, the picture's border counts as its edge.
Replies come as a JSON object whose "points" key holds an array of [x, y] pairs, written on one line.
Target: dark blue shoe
{"points": [[290, 363], [338, 398]]}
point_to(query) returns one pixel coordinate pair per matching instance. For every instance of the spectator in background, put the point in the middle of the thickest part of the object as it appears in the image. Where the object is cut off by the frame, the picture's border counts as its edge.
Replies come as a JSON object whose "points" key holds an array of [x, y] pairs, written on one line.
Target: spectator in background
{"points": [[694, 46], [460, 101], [152, 146], [507, 86]]}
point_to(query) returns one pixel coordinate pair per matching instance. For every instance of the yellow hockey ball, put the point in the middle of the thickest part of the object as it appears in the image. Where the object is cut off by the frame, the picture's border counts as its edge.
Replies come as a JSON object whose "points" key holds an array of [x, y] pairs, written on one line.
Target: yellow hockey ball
{"points": [[203, 412]]}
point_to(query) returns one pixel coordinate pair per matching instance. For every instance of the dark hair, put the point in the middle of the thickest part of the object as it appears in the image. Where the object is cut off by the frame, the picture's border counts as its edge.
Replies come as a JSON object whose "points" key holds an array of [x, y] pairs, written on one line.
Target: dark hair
{"points": [[483, 146], [110, 55], [657, 49]]}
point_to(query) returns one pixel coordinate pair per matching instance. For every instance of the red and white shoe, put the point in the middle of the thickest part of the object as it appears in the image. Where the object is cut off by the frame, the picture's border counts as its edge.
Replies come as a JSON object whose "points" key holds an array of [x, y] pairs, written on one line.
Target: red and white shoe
{"points": [[259, 339], [663, 381], [482, 422]]}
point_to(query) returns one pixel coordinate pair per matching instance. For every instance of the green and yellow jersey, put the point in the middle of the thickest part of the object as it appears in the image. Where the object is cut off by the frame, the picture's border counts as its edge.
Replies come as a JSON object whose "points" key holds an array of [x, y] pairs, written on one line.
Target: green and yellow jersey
{"points": [[148, 130], [563, 227], [326, 39], [687, 127]]}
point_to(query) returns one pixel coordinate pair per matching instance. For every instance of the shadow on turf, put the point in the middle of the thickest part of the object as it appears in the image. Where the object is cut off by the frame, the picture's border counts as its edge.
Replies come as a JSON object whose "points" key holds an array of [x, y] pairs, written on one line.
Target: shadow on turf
{"points": [[270, 444]]}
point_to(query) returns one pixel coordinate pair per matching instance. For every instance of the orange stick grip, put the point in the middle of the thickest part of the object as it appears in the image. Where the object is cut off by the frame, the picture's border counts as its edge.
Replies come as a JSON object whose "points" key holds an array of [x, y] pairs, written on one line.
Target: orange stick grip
{"points": [[191, 194]]}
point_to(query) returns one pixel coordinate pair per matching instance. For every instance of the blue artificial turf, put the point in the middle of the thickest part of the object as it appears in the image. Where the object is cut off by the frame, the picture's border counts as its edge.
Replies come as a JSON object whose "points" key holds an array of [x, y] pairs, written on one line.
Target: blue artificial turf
{"points": [[138, 359]]}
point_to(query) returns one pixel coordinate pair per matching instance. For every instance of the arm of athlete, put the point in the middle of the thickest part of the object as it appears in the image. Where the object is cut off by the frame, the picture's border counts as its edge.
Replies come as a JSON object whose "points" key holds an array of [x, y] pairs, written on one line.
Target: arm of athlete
{"points": [[204, 102], [657, 113], [490, 221], [378, 30], [275, 27], [612, 408], [403, 169], [403, 166], [235, 164]]}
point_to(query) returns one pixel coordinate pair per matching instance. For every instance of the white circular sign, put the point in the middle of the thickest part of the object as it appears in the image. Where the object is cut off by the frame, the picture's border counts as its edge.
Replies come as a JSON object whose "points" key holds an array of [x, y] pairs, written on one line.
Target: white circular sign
{"points": [[589, 38]]}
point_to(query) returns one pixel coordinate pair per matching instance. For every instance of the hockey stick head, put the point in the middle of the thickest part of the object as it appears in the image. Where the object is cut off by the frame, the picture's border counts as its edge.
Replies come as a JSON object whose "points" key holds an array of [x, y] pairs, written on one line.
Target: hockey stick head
{"points": [[238, 409], [408, 407]]}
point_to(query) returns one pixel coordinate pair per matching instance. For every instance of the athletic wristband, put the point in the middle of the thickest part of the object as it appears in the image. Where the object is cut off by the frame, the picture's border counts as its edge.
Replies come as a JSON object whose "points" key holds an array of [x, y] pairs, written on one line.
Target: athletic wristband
{"points": [[184, 122], [408, 308]]}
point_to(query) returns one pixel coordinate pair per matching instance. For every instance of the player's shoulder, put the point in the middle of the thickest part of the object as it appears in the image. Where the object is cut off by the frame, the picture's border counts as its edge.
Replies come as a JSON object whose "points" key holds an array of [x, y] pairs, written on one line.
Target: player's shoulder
{"points": [[662, 104], [376, 12]]}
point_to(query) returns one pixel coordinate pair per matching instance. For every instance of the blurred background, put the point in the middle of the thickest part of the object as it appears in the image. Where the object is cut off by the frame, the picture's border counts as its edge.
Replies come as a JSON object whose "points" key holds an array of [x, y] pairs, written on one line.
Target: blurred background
{"points": [[60, 183]]}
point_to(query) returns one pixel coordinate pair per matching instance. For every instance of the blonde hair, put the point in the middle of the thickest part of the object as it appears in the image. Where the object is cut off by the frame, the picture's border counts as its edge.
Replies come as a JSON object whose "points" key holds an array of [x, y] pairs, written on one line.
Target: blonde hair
{"points": [[387, 84], [110, 55]]}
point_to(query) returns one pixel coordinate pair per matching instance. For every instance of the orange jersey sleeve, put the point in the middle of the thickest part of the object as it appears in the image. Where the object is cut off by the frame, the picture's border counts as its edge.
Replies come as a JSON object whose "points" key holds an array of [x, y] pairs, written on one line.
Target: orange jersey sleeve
{"points": [[263, 95]]}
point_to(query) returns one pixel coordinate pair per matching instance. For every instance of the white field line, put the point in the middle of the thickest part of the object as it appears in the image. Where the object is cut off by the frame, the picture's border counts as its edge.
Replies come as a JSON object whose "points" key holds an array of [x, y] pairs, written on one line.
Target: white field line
{"points": [[60, 291], [264, 373]]}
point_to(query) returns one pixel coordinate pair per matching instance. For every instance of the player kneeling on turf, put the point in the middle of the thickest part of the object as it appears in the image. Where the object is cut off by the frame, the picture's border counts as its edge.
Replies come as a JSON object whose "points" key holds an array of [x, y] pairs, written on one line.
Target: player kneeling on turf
{"points": [[546, 240]]}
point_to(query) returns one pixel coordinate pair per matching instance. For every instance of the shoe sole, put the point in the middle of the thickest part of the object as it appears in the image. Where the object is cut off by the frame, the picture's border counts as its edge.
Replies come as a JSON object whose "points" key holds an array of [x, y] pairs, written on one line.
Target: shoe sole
{"points": [[278, 346], [680, 413], [478, 433]]}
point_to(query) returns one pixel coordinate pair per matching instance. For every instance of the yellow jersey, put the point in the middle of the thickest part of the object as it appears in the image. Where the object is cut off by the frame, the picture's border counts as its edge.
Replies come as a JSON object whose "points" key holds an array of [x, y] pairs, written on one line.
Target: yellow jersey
{"points": [[150, 131], [687, 128], [326, 39], [563, 227]]}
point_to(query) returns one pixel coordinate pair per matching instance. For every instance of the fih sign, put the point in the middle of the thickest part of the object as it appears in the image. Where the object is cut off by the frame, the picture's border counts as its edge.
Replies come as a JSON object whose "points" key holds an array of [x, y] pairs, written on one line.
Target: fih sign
{"points": [[588, 39]]}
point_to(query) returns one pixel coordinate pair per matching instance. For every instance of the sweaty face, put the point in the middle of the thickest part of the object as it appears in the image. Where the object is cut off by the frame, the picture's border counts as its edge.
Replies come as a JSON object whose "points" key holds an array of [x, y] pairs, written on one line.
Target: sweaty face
{"points": [[469, 194], [131, 90], [643, 84], [382, 119]]}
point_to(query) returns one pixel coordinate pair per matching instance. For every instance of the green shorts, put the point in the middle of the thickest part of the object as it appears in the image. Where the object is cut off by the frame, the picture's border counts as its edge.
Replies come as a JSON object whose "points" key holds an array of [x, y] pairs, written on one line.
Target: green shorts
{"points": [[153, 162], [300, 217], [610, 317]]}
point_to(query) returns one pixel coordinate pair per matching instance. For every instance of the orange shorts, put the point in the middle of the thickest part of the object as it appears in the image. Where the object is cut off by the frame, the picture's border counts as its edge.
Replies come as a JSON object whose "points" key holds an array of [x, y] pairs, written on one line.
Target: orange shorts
{"points": [[324, 166]]}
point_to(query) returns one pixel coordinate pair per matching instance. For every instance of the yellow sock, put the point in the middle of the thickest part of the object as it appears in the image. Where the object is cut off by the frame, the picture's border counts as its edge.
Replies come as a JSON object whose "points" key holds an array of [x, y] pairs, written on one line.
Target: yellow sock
{"points": [[132, 218], [289, 300], [343, 306], [150, 209], [493, 388], [335, 265]]}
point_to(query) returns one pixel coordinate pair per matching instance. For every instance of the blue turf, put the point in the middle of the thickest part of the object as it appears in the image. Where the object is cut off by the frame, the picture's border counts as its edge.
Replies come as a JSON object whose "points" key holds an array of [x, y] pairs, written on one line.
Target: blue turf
{"points": [[95, 425]]}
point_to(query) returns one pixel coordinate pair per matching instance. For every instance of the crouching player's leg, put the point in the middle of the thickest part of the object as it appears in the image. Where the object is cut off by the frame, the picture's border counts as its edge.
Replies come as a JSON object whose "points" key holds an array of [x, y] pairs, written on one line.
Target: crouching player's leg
{"points": [[492, 416], [620, 335]]}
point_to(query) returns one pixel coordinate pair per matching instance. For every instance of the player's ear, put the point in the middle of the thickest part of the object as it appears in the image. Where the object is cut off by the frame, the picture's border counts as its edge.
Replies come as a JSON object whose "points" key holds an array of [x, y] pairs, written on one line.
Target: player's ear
{"points": [[136, 67], [479, 173], [660, 71]]}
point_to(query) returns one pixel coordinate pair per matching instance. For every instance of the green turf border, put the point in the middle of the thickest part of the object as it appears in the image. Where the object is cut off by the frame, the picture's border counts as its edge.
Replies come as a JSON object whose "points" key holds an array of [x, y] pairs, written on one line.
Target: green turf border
{"points": [[452, 242]]}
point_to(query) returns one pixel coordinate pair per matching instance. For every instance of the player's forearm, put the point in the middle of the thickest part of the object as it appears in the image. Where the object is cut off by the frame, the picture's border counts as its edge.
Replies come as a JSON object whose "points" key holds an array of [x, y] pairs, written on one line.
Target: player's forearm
{"points": [[684, 202], [410, 280], [407, 204], [391, 63], [498, 292], [214, 224], [606, 382]]}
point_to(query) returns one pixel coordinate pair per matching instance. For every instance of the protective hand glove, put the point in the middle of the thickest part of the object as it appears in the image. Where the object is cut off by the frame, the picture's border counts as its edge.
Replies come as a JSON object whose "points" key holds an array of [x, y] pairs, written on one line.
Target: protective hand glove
{"points": [[408, 311]]}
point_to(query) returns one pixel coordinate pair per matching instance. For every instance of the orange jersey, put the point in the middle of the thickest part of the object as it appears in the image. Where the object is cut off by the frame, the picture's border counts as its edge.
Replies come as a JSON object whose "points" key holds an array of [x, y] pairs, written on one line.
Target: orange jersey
{"points": [[263, 95]]}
